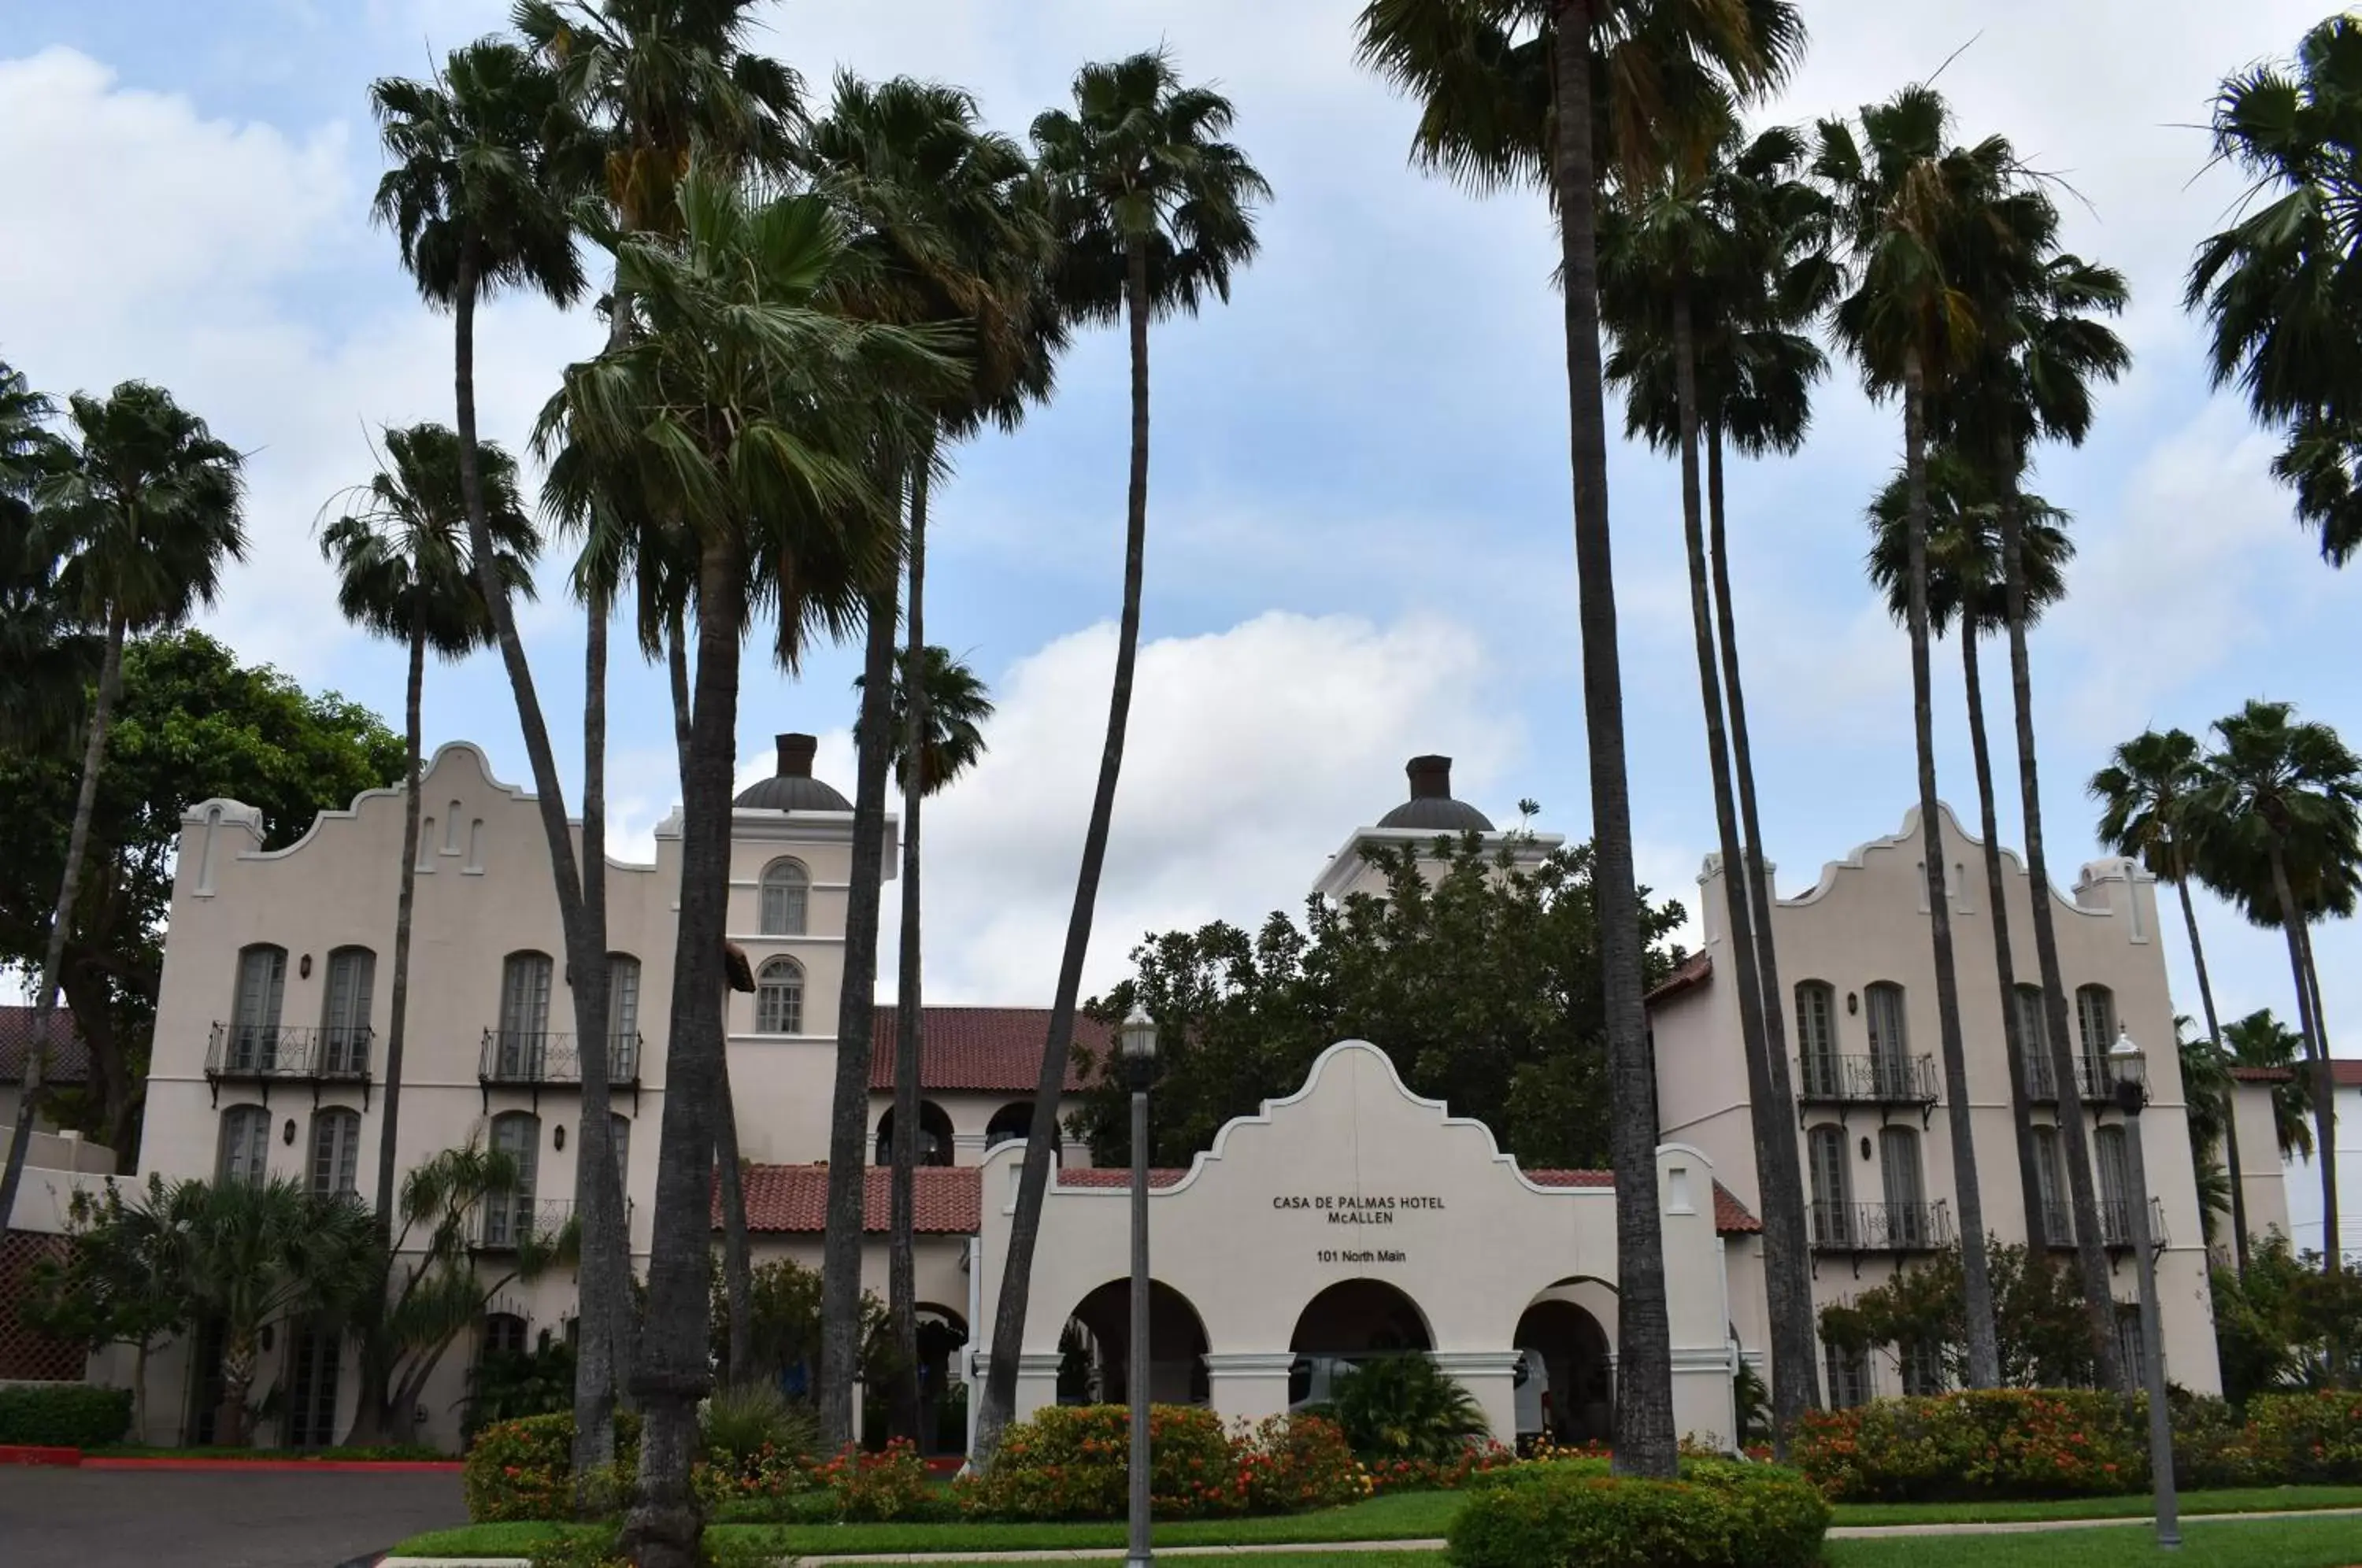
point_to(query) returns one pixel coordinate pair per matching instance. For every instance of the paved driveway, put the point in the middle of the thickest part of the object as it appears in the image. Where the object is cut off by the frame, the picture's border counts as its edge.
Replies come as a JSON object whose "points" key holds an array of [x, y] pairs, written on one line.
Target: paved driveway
{"points": [[162, 1519]]}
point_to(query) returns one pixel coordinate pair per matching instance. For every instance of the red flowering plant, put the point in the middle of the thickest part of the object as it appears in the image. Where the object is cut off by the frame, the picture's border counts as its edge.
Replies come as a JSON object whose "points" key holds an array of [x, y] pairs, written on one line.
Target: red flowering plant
{"points": [[2308, 1437], [873, 1487], [1438, 1475], [1997, 1442], [1073, 1461], [1292, 1463], [524, 1469]]}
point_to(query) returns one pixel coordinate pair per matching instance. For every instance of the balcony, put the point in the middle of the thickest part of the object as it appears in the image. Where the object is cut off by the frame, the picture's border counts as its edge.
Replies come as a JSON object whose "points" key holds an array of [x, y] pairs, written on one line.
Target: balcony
{"points": [[538, 1059], [1881, 1227], [507, 1224], [2115, 1224], [275, 1054], [2096, 1078], [1886, 1082]]}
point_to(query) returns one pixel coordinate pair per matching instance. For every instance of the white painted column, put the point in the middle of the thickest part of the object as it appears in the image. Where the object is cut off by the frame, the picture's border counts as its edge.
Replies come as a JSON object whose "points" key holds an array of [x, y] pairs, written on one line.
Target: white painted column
{"points": [[1490, 1375], [1697, 1296], [1248, 1386]]}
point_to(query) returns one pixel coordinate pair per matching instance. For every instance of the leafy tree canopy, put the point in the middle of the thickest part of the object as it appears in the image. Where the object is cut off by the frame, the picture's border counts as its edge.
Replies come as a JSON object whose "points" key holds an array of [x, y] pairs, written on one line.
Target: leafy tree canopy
{"points": [[192, 723], [1479, 977], [2044, 1333]]}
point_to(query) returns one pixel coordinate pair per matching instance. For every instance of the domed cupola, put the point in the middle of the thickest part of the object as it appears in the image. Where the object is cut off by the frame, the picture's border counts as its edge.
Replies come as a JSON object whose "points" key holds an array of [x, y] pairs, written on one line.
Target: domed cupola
{"points": [[794, 788], [1430, 807]]}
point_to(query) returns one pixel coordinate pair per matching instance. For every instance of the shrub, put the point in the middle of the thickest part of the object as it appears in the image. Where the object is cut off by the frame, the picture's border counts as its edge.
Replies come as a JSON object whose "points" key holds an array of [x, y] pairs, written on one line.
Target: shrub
{"points": [[2307, 1437], [1072, 1461], [1290, 1463], [1406, 1408], [757, 1444], [64, 1415], [1440, 1475], [524, 1469], [873, 1487], [2001, 1442], [2210, 1446], [1718, 1515]]}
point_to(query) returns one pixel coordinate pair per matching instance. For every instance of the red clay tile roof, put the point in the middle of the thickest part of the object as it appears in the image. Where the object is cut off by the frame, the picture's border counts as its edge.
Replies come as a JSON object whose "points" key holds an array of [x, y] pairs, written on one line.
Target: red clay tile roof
{"points": [[69, 1058], [1118, 1175], [1572, 1178], [2262, 1074], [1692, 972], [1731, 1217], [793, 1200], [2344, 1071], [989, 1049]]}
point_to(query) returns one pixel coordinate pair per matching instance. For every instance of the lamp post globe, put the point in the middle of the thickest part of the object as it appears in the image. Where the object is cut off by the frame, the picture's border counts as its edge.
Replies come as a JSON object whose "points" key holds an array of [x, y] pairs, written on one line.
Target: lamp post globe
{"points": [[2127, 1065], [1136, 1044]]}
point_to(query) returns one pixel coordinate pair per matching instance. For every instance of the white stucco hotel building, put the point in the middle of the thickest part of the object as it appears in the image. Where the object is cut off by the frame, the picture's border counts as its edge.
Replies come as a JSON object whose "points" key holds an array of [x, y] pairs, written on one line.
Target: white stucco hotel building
{"points": [[1348, 1216]]}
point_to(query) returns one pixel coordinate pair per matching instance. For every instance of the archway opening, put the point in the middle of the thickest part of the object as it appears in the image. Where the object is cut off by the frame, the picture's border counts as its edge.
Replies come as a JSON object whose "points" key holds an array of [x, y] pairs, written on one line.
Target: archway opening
{"points": [[1094, 1349], [934, 1135], [1350, 1324], [943, 1401], [1013, 1122], [1579, 1396]]}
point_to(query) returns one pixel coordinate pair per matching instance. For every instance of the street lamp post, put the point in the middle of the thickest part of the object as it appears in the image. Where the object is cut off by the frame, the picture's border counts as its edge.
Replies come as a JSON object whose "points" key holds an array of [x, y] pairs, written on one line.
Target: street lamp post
{"points": [[2132, 1095], [1139, 1049]]}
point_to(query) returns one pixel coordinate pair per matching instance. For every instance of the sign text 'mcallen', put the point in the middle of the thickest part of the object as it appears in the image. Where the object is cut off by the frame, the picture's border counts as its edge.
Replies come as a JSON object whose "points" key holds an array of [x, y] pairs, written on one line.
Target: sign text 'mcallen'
{"points": [[1347, 1208]]}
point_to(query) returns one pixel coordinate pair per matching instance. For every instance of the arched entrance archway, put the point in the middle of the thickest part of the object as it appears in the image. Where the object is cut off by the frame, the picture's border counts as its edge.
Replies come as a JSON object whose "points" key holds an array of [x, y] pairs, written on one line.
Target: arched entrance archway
{"points": [[934, 1135], [1013, 1121], [1580, 1399], [943, 1427], [1349, 1322], [1095, 1355]]}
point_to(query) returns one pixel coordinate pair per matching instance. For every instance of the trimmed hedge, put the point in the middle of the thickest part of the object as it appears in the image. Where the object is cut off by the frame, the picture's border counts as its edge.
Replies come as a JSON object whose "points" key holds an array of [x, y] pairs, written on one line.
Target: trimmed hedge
{"points": [[1572, 1514], [524, 1469], [64, 1415], [1073, 1461], [2308, 1437]]}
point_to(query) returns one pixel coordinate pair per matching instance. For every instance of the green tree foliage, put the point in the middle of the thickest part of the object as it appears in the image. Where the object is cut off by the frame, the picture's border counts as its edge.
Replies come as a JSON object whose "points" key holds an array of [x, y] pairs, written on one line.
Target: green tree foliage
{"points": [[2039, 1317], [122, 1281], [785, 1301], [2260, 1040], [1406, 1408], [2286, 1323], [192, 723], [1484, 985]]}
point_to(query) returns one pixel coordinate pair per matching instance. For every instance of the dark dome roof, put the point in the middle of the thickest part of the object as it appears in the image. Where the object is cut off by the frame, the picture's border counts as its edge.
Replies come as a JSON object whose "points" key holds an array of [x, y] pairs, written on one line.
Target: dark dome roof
{"points": [[794, 788], [1430, 807]]}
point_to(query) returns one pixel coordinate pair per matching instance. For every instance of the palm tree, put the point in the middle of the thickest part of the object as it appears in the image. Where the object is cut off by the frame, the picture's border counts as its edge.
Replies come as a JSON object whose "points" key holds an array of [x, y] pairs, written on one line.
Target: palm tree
{"points": [[751, 412], [1503, 100], [1909, 203], [2279, 791], [404, 571], [2280, 287], [50, 654], [953, 224], [938, 720], [141, 515], [1964, 584], [2262, 1043], [2206, 1092], [1155, 212], [2144, 794], [1676, 265], [255, 1253], [652, 80]]}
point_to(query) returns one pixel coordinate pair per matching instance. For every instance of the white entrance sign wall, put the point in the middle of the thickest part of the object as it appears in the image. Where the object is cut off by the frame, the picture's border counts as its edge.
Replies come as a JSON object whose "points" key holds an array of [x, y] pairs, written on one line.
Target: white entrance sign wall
{"points": [[1355, 1179]]}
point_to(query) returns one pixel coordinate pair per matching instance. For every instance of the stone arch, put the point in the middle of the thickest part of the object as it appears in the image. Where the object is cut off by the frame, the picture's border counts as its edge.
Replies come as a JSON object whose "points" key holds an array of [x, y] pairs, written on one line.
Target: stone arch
{"points": [[1094, 1348], [1579, 1365], [1359, 1315]]}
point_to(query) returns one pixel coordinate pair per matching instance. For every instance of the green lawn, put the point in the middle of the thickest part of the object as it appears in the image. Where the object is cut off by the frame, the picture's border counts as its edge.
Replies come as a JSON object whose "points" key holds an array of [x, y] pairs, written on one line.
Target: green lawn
{"points": [[1410, 1516], [275, 1456]]}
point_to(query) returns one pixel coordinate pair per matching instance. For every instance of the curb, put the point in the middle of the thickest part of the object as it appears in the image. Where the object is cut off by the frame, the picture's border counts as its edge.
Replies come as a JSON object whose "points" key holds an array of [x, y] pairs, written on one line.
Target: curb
{"points": [[75, 1458], [39, 1453]]}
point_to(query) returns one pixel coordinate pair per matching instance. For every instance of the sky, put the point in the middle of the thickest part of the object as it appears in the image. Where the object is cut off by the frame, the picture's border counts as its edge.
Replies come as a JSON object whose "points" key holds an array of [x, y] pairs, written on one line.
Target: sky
{"points": [[1359, 535]]}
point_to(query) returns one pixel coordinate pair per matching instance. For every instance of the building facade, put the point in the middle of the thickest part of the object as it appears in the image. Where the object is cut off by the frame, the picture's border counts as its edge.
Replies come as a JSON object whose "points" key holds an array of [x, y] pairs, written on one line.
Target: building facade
{"points": [[1348, 1219]]}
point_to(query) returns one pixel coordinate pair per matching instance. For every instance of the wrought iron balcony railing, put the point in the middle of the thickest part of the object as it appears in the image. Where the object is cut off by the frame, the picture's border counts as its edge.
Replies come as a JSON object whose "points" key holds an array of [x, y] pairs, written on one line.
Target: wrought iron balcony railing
{"points": [[2096, 1077], [266, 1054], [540, 1058], [1882, 1227], [2115, 1223], [504, 1224], [1868, 1080]]}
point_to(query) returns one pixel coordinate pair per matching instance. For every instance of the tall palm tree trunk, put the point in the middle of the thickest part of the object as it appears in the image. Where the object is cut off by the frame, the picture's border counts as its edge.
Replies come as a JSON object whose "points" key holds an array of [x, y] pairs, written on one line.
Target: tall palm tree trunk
{"points": [[1034, 1181], [1645, 1440], [604, 1273], [2074, 1137], [94, 757], [1756, 875], [1788, 1286], [2029, 1172], [2324, 1086], [372, 1408], [2215, 1037], [1984, 1350], [671, 1373], [901, 1267], [848, 1133], [586, 945]]}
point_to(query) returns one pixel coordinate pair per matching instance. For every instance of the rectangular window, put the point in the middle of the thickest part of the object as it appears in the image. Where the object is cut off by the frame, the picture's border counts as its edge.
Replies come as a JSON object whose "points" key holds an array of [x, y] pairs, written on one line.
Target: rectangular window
{"points": [[1890, 1043], [245, 1144], [2095, 1017], [1816, 1038], [336, 1152], [525, 1015], [508, 1219], [1849, 1377], [1906, 1193], [622, 1017], [312, 1358], [2051, 1186], [2115, 1185], [1922, 1363], [254, 1016], [345, 1022], [1832, 1215]]}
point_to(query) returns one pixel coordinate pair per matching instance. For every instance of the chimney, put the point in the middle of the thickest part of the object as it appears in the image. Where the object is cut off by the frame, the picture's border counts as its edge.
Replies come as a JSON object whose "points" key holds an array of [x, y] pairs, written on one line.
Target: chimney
{"points": [[796, 756], [1430, 777]]}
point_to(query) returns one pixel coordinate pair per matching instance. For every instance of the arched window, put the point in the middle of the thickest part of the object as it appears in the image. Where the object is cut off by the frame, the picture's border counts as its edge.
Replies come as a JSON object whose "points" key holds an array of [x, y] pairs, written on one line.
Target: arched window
{"points": [[504, 1335], [336, 1152], [509, 1219], [525, 1016], [254, 1011], [779, 998], [1832, 1192], [2051, 1186], [622, 1017], [1817, 1037], [1908, 1220], [2034, 1040], [1890, 1040], [345, 1012], [786, 886], [245, 1144], [2095, 1020], [619, 1132], [934, 1135], [2115, 1185], [1012, 1122]]}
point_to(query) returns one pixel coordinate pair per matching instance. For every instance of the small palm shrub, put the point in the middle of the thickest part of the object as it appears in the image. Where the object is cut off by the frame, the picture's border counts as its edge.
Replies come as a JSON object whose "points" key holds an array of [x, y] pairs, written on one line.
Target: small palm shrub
{"points": [[1407, 1409], [736, 1422], [1718, 1515]]}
